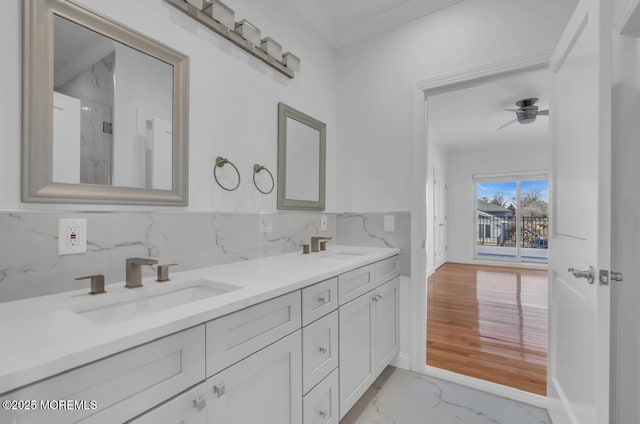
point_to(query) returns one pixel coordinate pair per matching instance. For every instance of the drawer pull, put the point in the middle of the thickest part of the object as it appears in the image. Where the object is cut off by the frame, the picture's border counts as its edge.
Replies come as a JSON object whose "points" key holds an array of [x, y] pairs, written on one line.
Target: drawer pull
{"points": [[219, 389], [199, 403], [322, 300], [322, 349], [322, 413]]}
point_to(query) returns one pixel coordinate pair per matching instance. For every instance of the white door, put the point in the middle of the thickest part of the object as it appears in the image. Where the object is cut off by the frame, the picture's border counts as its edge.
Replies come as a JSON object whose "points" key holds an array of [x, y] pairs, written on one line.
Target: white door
{"points": [[440, 218], [581, 174]]}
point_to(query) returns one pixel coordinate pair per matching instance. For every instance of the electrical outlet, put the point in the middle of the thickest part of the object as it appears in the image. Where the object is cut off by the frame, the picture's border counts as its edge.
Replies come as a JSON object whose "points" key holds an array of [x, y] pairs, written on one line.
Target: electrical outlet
{"points": [[323, 222], [389, 223], [72, 236], [266, 223]]}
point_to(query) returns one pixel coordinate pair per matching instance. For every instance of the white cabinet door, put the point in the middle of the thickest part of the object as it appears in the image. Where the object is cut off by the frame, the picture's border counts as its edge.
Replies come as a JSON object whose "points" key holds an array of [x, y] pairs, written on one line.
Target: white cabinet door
{"points": [[188, 408], [386, 324], [357, 367], [264, 388]]}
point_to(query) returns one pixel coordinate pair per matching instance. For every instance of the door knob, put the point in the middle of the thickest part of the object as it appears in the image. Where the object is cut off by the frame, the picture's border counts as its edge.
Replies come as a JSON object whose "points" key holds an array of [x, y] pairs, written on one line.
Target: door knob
{"points": [[589, 274]]}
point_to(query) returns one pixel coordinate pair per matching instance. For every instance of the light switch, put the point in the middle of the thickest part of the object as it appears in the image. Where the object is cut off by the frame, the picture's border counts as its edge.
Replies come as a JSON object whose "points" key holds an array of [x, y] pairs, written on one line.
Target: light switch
{"points": [[72, 236], [389, 223]]}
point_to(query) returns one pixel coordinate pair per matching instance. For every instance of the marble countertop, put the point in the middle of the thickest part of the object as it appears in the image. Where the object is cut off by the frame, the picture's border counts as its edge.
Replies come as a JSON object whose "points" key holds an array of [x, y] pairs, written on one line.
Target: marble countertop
{"points": [[43, 336]]}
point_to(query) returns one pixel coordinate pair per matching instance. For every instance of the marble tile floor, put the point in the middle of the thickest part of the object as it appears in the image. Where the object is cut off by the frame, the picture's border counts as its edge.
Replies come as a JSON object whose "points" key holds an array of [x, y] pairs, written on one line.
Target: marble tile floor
{"points": [[402, 397]]}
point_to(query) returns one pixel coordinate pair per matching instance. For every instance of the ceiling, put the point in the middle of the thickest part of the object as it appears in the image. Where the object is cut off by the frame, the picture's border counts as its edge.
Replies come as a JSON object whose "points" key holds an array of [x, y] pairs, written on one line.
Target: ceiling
{"points": [[342, 22], [469, 116]]}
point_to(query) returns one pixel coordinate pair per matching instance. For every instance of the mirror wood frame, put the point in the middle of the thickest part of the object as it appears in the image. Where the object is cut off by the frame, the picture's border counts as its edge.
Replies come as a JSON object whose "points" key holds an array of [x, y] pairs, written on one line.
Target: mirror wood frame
{"points": [[285, 112], [37, 127]]}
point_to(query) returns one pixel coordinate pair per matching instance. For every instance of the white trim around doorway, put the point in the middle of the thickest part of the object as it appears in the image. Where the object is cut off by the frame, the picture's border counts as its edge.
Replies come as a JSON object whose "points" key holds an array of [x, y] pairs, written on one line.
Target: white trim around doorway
{"points": [[419, 92]]}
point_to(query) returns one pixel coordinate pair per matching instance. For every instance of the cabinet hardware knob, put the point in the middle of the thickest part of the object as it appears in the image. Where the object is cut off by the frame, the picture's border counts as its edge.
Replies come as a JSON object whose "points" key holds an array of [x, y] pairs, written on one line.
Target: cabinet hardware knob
{"points": [[322, 413], [322, 349], [322, 299], [219, 389], [199, 403], [380, 296]]}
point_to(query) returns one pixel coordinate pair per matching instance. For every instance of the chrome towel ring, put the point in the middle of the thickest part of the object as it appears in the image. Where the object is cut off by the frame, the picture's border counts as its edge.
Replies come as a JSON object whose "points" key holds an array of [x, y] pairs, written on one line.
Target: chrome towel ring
{"points": [[256, 169], [220, 162]]}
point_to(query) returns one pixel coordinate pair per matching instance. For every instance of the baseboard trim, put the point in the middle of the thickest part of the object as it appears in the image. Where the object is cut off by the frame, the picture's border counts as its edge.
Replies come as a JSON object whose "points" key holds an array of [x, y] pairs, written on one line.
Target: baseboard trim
{"points": [[524, 265], [403, 361], [486, 386]]}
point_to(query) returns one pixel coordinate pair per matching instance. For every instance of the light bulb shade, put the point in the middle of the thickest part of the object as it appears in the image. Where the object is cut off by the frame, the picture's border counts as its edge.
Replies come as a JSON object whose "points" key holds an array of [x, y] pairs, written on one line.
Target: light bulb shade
{"points": [[272, 48], [291, 61], [221, 13], [248, 31], [198, 4]]}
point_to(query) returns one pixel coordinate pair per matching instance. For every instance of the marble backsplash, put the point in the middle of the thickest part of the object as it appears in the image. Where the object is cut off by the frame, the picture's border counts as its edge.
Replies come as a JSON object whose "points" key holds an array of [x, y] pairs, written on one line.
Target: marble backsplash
{"points": [[30, 264], [367, 229]]}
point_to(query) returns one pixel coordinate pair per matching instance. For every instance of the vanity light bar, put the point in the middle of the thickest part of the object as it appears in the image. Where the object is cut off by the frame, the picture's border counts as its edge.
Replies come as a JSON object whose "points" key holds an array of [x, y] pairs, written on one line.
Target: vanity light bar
{"points": [[219, 18]]}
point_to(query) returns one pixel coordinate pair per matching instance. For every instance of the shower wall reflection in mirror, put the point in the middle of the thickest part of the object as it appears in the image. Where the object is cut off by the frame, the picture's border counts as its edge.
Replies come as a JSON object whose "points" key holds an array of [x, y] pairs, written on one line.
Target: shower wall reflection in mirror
{"points": [[112, 112]]}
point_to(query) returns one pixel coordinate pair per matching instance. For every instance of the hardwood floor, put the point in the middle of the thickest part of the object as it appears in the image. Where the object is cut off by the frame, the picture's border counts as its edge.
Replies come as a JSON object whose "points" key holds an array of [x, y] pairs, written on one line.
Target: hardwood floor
{"points": [[490, 323]]}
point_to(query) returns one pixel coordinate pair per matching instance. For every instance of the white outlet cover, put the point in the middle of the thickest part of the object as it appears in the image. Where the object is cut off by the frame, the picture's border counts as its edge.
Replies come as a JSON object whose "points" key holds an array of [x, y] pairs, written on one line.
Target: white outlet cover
{"points": [[389, 223], [72, 236], [266, 223], [323, 222]]}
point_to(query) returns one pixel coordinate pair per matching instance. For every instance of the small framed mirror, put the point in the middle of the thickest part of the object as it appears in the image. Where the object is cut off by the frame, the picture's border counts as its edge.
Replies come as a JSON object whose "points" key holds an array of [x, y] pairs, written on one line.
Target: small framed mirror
{"points": [[301, 160], [104, 111]]}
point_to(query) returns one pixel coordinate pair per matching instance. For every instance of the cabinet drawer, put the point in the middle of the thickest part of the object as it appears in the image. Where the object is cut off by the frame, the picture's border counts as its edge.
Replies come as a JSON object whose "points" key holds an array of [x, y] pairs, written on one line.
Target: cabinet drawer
{"points": [[189, 407], [319, 350], [320, 406], [355, 283], [238, 335], [318, 300], [386, 269], [123, 385]]}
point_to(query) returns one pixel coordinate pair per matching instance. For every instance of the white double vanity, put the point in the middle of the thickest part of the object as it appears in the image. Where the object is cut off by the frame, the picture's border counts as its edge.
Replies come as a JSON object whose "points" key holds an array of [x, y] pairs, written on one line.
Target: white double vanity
{"points": [[287, 339]]}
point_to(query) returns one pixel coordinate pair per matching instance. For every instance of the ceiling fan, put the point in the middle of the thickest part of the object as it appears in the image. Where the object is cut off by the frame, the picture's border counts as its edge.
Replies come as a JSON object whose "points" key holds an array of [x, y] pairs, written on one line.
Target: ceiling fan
{"points": [[526, 113]]}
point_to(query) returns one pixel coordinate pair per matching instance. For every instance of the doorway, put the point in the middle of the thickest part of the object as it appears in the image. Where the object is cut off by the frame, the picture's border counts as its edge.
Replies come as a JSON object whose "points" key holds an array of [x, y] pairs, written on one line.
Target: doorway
{"points": [[488, 201]]}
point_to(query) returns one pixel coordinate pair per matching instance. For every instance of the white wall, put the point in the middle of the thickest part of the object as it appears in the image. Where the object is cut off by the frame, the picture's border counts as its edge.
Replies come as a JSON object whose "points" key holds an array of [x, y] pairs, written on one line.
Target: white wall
{"points": [[375, 77], [233, 97], [462, 165]]}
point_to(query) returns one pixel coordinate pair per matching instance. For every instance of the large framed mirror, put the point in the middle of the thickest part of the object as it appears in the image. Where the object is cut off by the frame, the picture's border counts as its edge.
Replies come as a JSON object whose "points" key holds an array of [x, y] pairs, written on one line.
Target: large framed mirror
{"points": [[105, 111], [301, 160]]}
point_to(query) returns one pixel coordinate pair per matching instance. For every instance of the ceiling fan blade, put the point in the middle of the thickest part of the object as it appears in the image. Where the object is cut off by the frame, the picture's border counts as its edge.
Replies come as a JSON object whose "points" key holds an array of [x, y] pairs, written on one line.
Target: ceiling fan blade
{"points": [[507, 124], [543, 112], [511, 110]]}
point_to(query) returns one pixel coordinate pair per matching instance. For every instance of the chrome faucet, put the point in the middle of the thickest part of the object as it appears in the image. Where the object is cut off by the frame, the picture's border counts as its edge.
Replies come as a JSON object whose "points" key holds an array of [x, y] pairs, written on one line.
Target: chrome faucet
{"points": [[314, 242], [134, 273]]}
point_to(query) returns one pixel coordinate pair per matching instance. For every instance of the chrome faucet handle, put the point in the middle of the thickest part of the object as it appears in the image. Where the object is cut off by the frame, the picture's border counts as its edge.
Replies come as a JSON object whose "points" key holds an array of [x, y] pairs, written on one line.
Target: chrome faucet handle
{"points": [[163, 272], [133, 272], [97, 283]]}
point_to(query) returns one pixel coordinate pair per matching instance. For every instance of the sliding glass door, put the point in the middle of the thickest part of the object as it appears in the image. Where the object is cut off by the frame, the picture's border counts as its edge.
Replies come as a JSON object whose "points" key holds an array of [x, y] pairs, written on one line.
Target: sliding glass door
{"points": [[511, 218]]}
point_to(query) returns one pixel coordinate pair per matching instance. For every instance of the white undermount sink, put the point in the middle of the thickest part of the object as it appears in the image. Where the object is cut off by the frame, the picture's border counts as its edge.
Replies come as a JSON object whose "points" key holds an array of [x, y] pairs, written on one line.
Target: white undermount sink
{"points": [[150, 299], [345, 254]]}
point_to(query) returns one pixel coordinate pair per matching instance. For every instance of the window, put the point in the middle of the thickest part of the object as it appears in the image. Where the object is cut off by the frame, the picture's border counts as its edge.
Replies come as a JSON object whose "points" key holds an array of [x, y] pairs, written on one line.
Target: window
{"points": [[512, 218]]}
